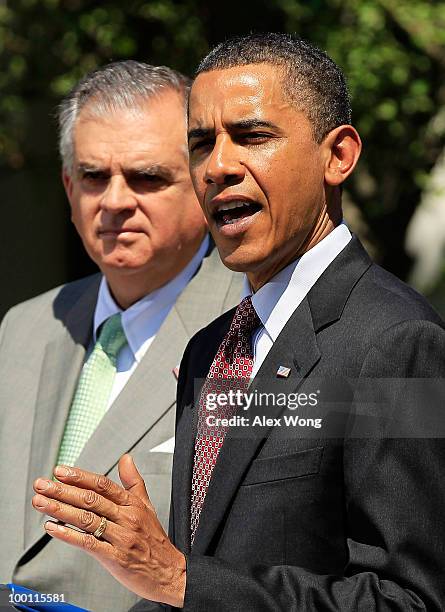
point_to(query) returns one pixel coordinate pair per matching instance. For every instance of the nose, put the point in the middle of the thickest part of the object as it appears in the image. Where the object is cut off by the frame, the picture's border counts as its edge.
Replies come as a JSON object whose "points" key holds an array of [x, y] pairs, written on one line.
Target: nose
{"points": [[118, 196], [224, 166]]}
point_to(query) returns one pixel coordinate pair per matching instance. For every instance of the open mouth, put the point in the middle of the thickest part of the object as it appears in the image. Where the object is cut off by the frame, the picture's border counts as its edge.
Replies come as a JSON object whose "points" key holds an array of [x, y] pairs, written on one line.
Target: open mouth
{"points": [[231, 212]]}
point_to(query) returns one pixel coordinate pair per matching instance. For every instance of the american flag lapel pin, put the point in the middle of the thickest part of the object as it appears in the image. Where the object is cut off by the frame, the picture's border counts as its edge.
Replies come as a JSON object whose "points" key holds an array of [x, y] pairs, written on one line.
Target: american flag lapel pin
{"points": [[283, 372]]}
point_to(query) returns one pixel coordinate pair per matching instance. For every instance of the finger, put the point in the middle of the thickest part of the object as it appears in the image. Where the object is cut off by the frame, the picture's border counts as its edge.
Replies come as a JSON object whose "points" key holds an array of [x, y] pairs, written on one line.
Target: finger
{"points": [[79, 498], [82, 519], [86, 541], [131, 479], [95, 482]]}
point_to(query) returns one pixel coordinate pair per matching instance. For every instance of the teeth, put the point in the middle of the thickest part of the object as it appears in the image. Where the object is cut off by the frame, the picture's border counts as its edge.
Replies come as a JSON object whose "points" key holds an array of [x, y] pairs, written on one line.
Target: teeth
{"points": [[233, 204]]}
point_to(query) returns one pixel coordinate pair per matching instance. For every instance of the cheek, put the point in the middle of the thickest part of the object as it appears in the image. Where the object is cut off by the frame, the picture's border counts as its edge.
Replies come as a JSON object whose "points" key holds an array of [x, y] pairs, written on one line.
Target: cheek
{"points": [[199, 185], [275, 175], [177, 214], [162, 223], [302, 182], [83, 218]]}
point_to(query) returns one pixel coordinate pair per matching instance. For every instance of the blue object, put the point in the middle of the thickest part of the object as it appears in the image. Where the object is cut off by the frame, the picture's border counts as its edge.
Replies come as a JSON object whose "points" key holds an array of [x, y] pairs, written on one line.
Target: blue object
{"points": [[34, 601]]}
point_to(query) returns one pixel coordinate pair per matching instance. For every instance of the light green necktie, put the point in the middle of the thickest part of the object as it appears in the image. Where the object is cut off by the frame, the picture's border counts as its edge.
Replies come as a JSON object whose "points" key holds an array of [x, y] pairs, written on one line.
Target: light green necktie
{"points": [[93, 391]]}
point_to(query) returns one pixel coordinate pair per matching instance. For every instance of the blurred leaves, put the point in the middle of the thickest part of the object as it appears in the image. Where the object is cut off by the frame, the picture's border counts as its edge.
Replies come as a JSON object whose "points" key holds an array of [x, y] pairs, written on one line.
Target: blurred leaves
{"points": [[47, 45], [392, 51]]}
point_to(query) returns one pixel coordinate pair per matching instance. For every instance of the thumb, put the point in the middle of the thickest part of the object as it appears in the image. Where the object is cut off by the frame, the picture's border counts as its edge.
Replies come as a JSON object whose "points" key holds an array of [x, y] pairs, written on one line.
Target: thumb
{"points": [[131, 479]]}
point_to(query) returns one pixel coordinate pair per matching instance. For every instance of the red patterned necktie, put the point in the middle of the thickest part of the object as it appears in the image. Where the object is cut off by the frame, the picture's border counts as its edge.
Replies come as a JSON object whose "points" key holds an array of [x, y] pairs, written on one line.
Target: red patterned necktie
{"points": [[231, 369]]}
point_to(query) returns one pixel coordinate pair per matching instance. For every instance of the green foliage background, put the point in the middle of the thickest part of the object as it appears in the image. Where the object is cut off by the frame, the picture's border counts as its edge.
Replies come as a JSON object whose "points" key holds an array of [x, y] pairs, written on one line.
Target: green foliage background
{"points": [[392, 51]]}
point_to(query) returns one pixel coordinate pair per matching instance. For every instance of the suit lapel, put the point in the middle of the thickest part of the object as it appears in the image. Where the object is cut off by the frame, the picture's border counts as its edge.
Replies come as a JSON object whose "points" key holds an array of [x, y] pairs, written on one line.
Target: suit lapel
{"points": [[148, 395], [151, 390], [328, 296], [211, 291], [118, 433], [61, 365], [196, 309], [297, 348], [182, 478], [185, 436]]}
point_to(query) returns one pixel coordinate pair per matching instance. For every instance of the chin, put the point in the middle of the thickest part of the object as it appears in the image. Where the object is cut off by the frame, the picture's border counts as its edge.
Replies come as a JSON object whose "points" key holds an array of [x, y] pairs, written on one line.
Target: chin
{"points": [[119, 265], [122, 258], [241, 262]]}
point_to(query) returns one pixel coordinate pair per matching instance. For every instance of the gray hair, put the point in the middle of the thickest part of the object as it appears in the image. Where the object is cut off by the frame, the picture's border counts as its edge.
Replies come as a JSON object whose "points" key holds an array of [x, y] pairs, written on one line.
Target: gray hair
{"points": [[117, 86]]}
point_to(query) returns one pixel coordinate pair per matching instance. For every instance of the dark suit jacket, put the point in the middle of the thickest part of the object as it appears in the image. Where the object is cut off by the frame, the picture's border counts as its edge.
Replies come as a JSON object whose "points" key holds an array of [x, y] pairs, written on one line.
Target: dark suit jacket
{"points": [[324, 522]]}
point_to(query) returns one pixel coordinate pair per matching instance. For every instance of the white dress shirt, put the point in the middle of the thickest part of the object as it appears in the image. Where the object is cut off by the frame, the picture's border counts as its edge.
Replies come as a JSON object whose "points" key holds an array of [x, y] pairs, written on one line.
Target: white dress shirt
{"points": [[141, 321], [277, 300]]}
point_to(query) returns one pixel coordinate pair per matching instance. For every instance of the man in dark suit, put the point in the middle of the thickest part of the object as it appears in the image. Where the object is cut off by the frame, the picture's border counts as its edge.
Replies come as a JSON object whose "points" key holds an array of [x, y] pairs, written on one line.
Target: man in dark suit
{"points": [[346, 517]]}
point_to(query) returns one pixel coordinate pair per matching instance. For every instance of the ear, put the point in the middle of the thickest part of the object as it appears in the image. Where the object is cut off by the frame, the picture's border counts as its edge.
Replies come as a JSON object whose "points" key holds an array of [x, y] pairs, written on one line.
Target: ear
{"points": [[343, 146]]}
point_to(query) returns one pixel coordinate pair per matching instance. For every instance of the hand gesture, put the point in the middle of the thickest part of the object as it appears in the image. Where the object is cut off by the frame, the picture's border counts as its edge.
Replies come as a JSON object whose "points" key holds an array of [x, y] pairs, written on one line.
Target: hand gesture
{"points": [[129, 540]]}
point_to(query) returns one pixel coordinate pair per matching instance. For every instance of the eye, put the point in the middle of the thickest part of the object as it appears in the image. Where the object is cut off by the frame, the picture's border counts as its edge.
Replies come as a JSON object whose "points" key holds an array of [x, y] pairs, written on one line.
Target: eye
{"points": [[200, 144], [147, 181], [148, 178], [93, 175], [253, 137]]}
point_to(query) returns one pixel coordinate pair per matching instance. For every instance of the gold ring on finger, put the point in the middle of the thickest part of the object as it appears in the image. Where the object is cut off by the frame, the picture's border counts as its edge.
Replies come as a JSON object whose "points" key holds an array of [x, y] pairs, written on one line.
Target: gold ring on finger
{"points": [[102, 526]]}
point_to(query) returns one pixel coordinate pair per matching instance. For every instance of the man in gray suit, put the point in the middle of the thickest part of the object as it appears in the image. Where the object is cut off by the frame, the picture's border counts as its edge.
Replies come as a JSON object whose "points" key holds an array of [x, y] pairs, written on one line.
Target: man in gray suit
{"points": [[125, 171]]}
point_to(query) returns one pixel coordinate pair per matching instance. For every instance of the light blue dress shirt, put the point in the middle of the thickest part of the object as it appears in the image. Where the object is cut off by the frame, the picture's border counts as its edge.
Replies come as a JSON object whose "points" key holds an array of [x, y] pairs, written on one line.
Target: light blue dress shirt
{"points": [[142, 320]]}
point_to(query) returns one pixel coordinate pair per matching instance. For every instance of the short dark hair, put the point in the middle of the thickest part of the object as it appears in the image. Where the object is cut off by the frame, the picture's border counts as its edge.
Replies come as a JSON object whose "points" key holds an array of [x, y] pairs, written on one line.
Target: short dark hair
{"points": [[311, 79], [125, 84]]}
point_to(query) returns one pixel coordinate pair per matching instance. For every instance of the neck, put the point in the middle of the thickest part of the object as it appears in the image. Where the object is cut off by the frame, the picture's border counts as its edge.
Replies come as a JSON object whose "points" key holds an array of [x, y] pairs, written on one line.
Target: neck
{"points": [[127, 291]]}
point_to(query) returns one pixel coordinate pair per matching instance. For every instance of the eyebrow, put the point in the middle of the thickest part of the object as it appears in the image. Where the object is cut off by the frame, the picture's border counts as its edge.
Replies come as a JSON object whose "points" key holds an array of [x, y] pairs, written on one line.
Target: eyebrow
{"points": [[199, 133], [242, 124], [245, 124], [152, 170], [85, 167]]}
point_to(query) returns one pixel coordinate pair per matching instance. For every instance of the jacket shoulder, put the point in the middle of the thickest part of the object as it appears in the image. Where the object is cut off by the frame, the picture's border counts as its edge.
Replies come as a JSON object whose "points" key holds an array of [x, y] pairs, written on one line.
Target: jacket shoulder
{"points": [[396, 301], [41, 307]]}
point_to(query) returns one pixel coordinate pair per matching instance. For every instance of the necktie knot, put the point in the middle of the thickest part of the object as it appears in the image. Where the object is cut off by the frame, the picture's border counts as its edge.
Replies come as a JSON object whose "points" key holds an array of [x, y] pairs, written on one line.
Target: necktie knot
{"points": [[245, 319], [112, 336]]}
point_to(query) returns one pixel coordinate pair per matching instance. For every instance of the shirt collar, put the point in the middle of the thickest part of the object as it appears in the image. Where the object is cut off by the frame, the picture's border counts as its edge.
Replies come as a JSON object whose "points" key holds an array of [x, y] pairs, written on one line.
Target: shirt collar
{"points": [[277, 300], [143, 318]]}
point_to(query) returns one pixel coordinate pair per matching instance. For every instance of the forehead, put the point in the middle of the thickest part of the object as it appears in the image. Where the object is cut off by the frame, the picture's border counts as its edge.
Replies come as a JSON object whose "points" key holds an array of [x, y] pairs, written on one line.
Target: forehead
{"points": [[255, 90], [155, 127]]}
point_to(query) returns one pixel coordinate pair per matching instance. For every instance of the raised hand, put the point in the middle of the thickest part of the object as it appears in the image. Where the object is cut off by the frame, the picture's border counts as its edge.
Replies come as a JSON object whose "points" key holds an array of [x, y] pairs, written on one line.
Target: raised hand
{"points": [[130, 542]]}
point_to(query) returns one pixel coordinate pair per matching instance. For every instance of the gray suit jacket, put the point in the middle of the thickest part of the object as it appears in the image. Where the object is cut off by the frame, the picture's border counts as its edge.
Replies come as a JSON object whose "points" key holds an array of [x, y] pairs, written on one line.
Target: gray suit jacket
{"points": [[42, 349]]}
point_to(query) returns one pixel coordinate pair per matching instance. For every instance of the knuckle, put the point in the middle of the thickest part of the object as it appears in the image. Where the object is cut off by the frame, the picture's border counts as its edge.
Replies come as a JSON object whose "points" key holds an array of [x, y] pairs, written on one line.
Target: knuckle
{"points": [[86, 519], [90, 498], [134, 521], [125, 498], [103, 483], [75, 474], [123, 559], [89, 542], [58, 488], [130, 541]]}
